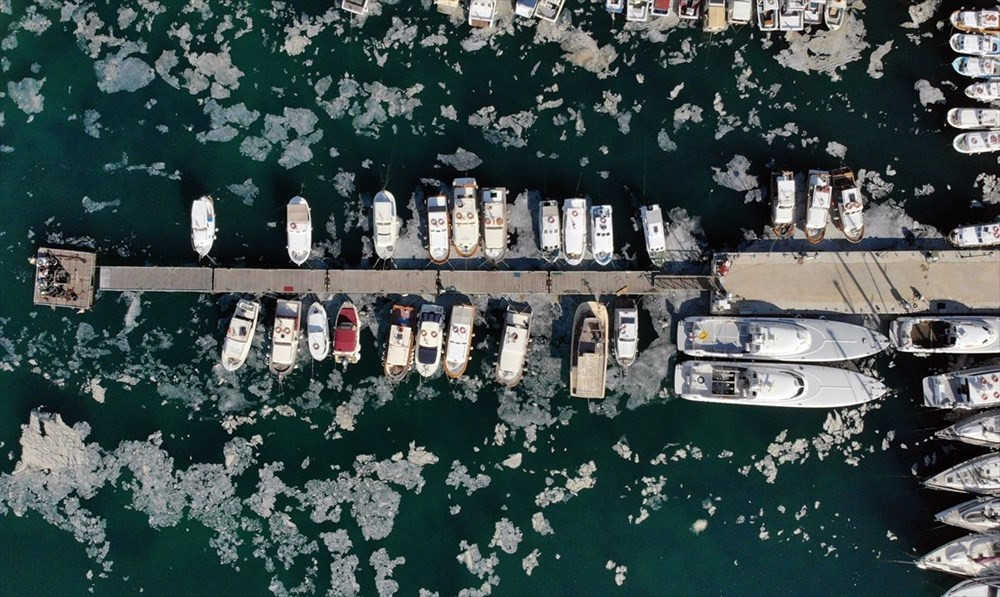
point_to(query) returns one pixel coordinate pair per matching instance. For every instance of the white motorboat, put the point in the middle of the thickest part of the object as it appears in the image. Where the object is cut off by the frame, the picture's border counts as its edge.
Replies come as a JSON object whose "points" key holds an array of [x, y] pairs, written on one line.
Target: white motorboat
{"points": [[778, 384], [985, 92], [614, 6], [777, 339], [813, 14], [202, 225], [835, 14], [399, 351], [438, 237], [482, 13], [456, 354], [978, 142], [285, 337], [961, 334], [981, 429], [347, 335], [976, 21], [495, 223], [549, 10], [239, 336], [972, 555], [654, 233], [386, 224], [974, 118], [550, 233], [978, 67], [637, 11], [525, 8], [740, 11], [979, 475], [791, 16], [820, 200], [588, 366], [975, 44], [465, 217], [979, 515], [715, 16], [358, 7], [966, 389], [430, 338], [318, 331], [767, 15], [574, 230], [299, 228], [850, 204], [689, 9], [783, 203], [513, 347], [602, 240], [626, 332], [978, 587], [975, 236], [661, 8]]}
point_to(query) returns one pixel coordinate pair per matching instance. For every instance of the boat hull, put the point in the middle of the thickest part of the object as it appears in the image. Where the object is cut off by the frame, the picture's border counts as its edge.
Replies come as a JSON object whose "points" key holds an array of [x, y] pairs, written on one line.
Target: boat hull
{"points": [[981, 429], [346, 335], [980, 475], [203, 226], [973, 555], [385, 224], [589, 351], [963, 390], [460, 336], [235, 352], [980, 515], [515, 338], [318, 329]]}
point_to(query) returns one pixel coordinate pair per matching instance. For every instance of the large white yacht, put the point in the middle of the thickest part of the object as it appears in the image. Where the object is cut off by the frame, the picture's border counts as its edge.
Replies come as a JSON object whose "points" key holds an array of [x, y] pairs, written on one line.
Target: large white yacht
{"points": [[588, 366], [299, 228], [438, 229], [850, 204], [967, 389], [318, 331], [767, 14], [975, 44], [977, 142], [285, 338], [574, 230], [777, 339], [202, 225], [465, 217], [977, 67], [979, 515], [979, 475], [957, 334], [347, 335], [981, 429], [976, 21], [513, 347], [654, 233], [835, 14], [239, 336], [399, 350], [602, 240], [550, 233], [779, 384], [626, 332], [456, 354], [985, 92], [974, 118], [975, 236], [386, 224], [972, 555], [495, 223], [430, 338], [977, 587], [783, 203], [820, 200]]}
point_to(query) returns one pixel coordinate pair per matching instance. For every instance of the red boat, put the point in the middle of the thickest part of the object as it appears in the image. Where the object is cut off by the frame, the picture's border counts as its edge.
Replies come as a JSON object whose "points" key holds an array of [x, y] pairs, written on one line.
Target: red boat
{"points": [[346, 335]]}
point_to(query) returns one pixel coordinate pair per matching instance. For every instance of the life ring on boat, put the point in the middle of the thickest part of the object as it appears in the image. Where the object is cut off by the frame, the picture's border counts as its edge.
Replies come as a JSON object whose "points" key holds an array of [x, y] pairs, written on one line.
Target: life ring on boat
{"points": [[853, 205], [996, 232], [551, 220], [458, 216], [574, 213], [996, 394], [499, 221], [604, 220], [291, 225], [288, 330], [434, 334], [454, 329], [315, 345], [469, 215], [996, 377], [423, 333]]}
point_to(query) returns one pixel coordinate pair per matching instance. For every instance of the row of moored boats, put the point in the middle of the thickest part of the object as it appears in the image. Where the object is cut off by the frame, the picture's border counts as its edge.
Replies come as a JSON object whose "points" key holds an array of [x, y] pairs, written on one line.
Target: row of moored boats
{"points": [[979, 43], [827, 191]]}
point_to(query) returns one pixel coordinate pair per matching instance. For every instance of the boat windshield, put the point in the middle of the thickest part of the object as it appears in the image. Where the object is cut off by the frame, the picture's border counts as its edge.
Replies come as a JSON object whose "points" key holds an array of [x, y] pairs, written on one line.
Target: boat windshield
{"points": [[426, 355]]}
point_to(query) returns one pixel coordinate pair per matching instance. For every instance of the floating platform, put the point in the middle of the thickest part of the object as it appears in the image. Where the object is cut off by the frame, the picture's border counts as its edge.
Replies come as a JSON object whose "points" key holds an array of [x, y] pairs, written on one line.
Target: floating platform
{"points": [[64, 278]]}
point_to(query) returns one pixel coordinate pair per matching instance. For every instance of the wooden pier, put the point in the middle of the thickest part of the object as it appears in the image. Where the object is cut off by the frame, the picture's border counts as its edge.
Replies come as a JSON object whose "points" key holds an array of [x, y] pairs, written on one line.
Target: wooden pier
{"points": [[64, 278]]}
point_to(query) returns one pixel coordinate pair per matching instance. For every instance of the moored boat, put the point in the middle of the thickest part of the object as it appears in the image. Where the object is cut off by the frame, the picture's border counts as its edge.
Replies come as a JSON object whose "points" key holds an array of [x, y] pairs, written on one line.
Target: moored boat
{"points": [[358, 7], [239, 335], [981, 429], [715, 16], [978, 67], [986, 92], [966, 389], [975, 44], [689, 9], [202, 225], [977, 142], [549, 10], [495, 223], [318, 331], [980, 515], [975, 236], [574, 230], [299, 229], [661, 8], [974, 118], [979, 475], [482, 13], [850, 204], [654, 233], [767, 15], [602, 240], [465, 217], [614, 6], [588, 364], [977, 587], [386, 224], [813, 14], [285, 337], [774, 384], [525, 8], [791, 15], [955, 334], [835, 14], [740, 12], [550, 233], [626, 332], [637, 11], [513, 347], [972, 555], [976, 21], [430, 337], [347, 335], [820, 200], [460, 328], [438, 229], [783, 203], [399, 350]]}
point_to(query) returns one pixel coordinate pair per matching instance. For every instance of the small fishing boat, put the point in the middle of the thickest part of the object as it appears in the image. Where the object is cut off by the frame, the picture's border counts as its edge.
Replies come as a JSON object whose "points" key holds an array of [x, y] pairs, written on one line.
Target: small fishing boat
{"points": [[975, 44], [456, 354], [626, 332], [430, 337], [791, 16], [525, 8], [574, 230], [438, 241], [783, 203], [661, 8], [589, 351], [777, 384], [358, 7], [977, 67], [318, 331], [239, 336], [386, 224], [602, 240], [465, 217], [513, 347], [347, 335], [956, 334], [202, 225], [979, 515], [820, 200], [689, 9], [482, 13], [654, 233], [966, 389], [299, 228], [549, 10], [767, 15], [813, 14], [614, 6], [777, 339], [981, 429], [740, 12], [850, 204], [550, 234], [975, 236], [978, 587], [972, 555], [399, 351], [978, 142], [976, 21], [974, 118], [979, 475], [835, 14], [985, 92], [495, 223], [285, 337], [637, 11], [715, 16]]}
